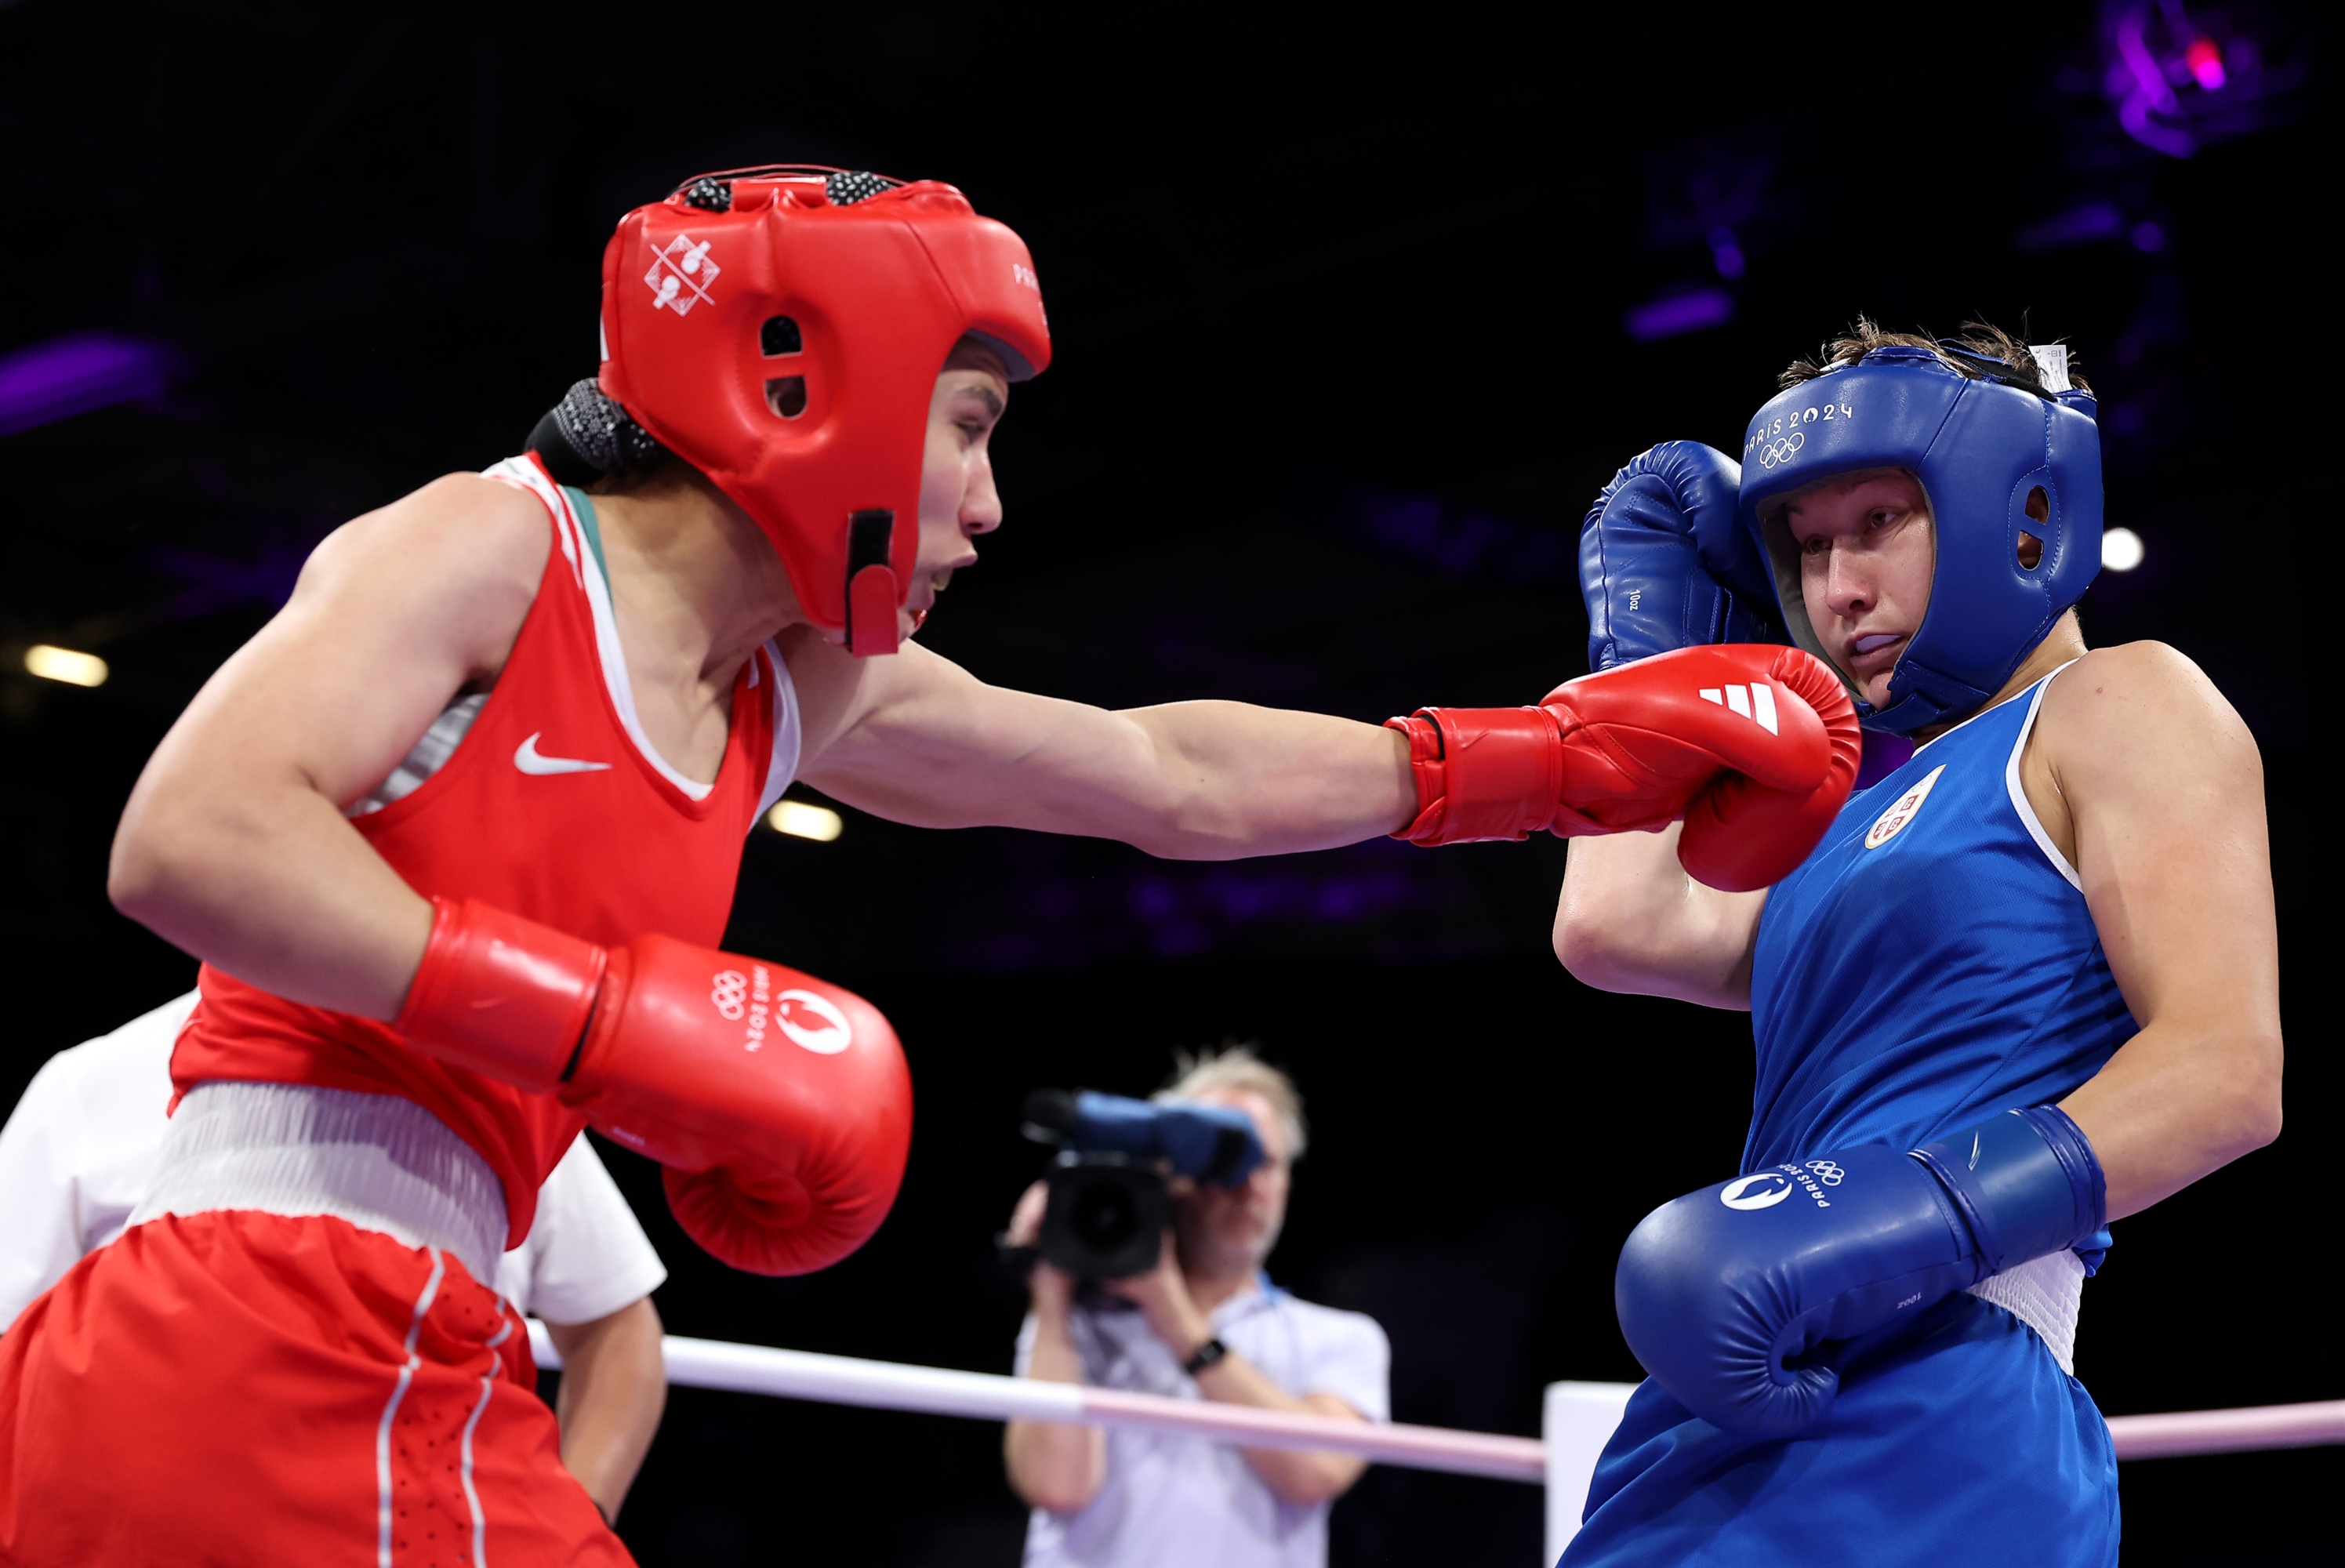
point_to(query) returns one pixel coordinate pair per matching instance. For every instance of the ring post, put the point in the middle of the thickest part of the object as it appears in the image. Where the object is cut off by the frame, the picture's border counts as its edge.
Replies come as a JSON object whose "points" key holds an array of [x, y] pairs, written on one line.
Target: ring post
{"points": [[1578, 1420]]}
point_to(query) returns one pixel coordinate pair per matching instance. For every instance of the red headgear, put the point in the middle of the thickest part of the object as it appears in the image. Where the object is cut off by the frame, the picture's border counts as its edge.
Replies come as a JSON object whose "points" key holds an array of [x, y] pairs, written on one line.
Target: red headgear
{"points": [[781, 329]]}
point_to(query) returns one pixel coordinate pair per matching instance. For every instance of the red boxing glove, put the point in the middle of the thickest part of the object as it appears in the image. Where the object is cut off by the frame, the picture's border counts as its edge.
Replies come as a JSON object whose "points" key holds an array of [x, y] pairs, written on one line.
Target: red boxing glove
{"points": [[1739, 835], [781, 1104], [1753, 744]]}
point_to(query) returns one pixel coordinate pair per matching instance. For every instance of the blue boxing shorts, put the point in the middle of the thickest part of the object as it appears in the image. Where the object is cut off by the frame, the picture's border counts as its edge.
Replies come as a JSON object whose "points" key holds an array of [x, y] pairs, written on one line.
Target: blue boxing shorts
{"points": [[1956, 1434]]}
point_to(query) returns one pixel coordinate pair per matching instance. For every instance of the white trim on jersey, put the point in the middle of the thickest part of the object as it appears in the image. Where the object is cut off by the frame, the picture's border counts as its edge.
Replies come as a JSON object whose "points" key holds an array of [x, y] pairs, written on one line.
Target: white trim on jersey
{"points": [[788, 736], [2018, 792], [523, 473], [781, 765], [615, 674]]}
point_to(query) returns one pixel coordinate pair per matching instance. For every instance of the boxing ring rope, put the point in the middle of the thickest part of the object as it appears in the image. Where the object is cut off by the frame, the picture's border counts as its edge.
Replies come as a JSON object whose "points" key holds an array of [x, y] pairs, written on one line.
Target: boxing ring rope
{"points": [[937, 1391], [1578, 1420], [1583, 1412], [2227, 1431]]}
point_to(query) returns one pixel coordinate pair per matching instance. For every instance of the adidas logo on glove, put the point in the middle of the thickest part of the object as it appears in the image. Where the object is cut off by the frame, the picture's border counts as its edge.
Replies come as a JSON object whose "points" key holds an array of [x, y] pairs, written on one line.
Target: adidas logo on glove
{"points": [[1752, 702]]}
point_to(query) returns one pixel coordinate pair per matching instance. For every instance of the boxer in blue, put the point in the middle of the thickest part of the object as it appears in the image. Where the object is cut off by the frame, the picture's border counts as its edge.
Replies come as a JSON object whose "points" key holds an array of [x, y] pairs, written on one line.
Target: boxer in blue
{"points": [[2027, 984]]}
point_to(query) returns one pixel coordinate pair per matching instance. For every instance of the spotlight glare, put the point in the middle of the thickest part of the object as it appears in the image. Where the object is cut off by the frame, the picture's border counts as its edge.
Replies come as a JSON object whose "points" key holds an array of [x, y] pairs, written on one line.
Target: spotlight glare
{"points": [[800, 820], [65, 665], [2121, 550], [2206, 63]]}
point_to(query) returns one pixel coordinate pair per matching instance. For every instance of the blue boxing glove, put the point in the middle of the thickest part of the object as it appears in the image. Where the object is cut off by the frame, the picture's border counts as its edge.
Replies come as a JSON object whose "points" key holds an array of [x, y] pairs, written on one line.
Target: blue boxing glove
{"points": [[1665, 563], [1723, 1292]]}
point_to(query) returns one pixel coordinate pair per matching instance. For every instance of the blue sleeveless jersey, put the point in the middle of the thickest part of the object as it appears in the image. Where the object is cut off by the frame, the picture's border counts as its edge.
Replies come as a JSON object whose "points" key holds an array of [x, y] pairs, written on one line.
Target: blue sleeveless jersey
{"points": [[1933, 963]]}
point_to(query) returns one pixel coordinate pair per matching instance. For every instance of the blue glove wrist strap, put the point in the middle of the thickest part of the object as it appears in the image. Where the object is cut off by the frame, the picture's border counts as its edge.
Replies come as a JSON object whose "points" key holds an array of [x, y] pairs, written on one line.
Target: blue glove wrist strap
{"points": [[2026, 1183]]}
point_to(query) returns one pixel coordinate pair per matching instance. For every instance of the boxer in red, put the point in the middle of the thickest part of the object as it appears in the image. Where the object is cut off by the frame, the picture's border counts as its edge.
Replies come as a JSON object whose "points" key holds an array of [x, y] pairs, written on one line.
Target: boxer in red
{"points": [[454, 836]]}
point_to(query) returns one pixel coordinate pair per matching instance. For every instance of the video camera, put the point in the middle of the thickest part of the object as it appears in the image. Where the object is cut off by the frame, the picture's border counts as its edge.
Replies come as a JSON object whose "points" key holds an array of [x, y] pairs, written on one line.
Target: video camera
{"points": [[1108, 1204]]}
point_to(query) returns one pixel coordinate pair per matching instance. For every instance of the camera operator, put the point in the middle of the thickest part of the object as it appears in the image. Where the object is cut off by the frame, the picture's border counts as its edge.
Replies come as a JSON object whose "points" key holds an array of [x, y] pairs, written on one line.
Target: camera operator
{"points": [[1204, 1323]]}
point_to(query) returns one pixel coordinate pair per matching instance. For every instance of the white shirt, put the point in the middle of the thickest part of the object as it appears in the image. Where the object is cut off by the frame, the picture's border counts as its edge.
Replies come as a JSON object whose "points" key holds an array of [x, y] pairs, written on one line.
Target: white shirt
{"points": [[1172, 1501], [79, 1147]]}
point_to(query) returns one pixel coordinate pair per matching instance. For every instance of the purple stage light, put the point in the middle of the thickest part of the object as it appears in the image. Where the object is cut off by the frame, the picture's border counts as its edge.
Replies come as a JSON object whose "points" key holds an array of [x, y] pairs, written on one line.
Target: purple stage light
{"points": [[69, 376], [216, 581], [2206, 63], [1675, 314], [2078, 226], [1465, 541], [2145, 101], [1726, 253], [2176, 87], [2147, 237]]}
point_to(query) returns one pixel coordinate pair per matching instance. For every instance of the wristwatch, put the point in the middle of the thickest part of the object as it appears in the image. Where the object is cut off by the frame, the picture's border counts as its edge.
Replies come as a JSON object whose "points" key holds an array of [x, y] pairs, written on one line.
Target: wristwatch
{"points": [[1205, 1355]]}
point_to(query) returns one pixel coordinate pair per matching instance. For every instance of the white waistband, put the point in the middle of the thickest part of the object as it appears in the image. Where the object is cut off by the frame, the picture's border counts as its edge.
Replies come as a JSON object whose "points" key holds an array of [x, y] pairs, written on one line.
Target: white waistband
{"points": [[2044, 1294], [378, 1161]]}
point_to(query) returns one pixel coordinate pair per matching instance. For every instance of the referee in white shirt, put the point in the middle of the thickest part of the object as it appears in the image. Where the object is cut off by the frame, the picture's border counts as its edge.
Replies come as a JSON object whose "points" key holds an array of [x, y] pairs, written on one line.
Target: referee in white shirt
{"points": [[1207, 1323], [77, 1150]]}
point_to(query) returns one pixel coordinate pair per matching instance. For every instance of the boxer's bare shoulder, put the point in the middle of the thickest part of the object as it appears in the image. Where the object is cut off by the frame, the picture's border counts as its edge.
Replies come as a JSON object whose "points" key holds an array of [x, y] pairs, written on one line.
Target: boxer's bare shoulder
{"points": [[462, 556], [394, 613], [2136, 686], [2140, 723]]}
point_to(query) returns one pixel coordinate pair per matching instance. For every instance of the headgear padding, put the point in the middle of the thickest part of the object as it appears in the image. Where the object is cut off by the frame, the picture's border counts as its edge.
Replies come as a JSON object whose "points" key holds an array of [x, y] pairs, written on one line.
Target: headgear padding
{"points": [[1978, 446], [781, 329], [587, 436]]}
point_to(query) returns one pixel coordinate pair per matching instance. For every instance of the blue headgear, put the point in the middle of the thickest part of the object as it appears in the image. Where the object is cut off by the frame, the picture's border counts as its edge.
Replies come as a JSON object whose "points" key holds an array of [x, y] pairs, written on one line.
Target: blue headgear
{"points": [[1978, 446]]}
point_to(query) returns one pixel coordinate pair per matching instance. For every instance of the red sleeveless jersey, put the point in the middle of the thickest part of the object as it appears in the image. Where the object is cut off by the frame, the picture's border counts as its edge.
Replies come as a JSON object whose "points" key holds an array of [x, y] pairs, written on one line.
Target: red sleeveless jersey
{"points": [[555, 806]]}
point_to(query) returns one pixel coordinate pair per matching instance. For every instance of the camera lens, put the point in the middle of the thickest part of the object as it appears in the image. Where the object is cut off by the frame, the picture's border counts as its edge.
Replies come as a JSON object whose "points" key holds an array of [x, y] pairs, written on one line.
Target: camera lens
{"points": [[1106, 1217], [1103, 1215]]}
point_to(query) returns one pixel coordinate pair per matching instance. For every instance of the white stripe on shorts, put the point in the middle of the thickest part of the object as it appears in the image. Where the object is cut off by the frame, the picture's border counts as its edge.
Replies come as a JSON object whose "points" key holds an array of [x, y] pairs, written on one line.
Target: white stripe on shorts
{"points": [[480, 1407], [390, 1411]]}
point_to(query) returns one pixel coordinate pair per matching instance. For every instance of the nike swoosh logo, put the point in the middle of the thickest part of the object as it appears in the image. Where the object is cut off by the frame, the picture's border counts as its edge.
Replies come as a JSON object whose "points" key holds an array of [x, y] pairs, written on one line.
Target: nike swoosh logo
{"points": [[529, 760]]}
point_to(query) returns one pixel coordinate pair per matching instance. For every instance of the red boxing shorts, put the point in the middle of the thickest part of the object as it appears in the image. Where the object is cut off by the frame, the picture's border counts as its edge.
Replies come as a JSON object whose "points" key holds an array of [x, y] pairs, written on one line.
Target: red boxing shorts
{"points": [[242, 1387]]}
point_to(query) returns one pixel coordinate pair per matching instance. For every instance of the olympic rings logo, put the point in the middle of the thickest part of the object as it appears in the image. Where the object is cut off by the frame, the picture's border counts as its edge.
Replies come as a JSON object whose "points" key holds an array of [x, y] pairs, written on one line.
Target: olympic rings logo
{"points": [[730, 993], [1780, 452], [1828, 1171]]}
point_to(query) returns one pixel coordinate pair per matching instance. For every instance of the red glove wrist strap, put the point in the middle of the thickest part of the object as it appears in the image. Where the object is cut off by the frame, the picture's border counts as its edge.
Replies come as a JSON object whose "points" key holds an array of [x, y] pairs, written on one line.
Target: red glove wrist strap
{"points": [[501, 995], [1482, 772]]}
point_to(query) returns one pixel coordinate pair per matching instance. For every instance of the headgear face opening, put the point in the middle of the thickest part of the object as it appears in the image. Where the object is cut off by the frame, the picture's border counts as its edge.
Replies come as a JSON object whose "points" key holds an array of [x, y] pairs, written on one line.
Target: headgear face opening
{"points": [[781, 329], [1979, 449]]}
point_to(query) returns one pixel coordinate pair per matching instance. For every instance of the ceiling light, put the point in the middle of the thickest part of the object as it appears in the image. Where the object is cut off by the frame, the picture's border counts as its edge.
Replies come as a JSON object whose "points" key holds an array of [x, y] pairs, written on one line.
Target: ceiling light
{"points": [[799, 820], [64, 664]]}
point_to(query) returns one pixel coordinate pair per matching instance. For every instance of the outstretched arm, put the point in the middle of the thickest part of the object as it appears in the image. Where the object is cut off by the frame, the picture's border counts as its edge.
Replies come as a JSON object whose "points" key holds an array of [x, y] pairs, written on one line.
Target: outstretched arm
{"points": [[2152, 785], [916, 739]]}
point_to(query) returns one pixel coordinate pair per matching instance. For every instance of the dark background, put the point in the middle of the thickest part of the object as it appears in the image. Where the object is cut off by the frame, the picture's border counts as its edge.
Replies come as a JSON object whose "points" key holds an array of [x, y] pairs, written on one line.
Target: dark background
{"points": [[1342, 311]]}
